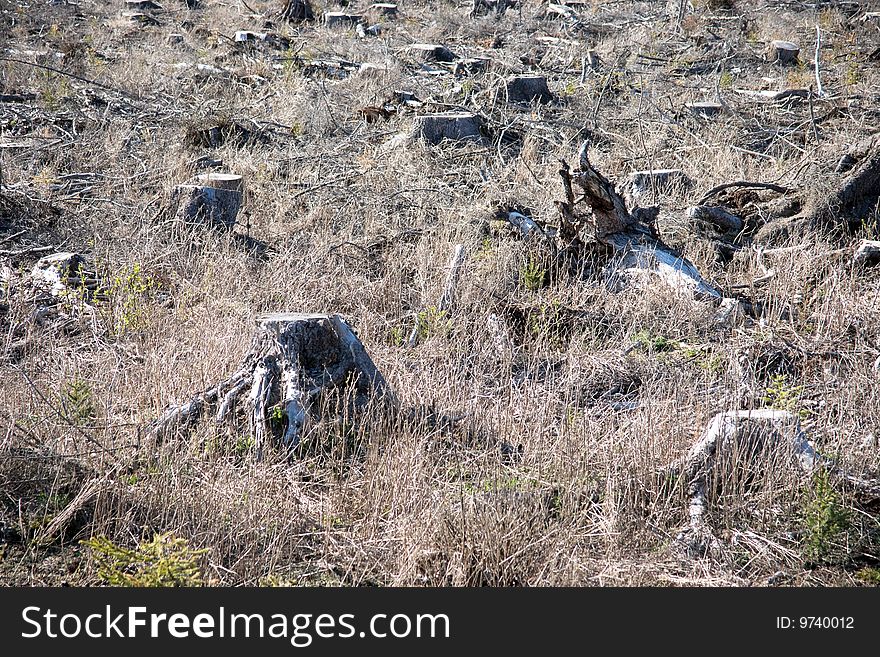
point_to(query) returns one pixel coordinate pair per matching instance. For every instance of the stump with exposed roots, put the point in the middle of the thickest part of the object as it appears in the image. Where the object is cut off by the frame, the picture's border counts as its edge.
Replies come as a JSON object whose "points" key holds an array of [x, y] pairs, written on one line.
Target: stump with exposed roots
{"points": [[298, 368]]}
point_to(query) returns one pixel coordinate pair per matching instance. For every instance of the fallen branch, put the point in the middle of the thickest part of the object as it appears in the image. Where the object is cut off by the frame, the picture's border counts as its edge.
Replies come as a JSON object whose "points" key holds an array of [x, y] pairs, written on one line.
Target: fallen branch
{"points": [[741, 183]]}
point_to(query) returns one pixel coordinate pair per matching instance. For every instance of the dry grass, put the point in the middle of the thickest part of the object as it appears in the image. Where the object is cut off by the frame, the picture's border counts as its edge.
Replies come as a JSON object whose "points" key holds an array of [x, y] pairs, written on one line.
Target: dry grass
{"points": [[549, 474]]}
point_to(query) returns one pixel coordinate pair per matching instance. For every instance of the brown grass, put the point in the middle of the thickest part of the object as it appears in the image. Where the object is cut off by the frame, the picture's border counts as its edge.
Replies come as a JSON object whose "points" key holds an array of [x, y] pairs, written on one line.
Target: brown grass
{"points": [[549, 474]]}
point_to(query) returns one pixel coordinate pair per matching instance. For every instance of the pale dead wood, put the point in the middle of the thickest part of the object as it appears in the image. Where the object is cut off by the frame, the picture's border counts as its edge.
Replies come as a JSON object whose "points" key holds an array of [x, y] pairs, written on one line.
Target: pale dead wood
{"points": [[294, 362], [446, 299]]}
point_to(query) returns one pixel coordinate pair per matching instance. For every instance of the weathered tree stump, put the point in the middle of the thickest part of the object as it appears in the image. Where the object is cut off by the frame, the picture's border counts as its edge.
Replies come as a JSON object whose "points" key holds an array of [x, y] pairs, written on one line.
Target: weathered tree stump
{"points": [[745, 440], [296, 11], [527, 89], [140, 18], [705, 109], [384, 8], [58, 272], [451, 126], [365, 31], [559, 11], [143, 5], [298, 364], [215, 200], [868, 253], [341, 19], [631, 236], [844, 206], [432, 52], [782, 52], [244, 36], [484, 7]]}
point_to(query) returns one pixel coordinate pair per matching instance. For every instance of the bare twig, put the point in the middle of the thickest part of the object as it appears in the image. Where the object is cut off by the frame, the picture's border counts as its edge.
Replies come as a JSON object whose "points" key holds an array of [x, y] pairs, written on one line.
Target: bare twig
{"points": [[75, 77], [819, 91]]}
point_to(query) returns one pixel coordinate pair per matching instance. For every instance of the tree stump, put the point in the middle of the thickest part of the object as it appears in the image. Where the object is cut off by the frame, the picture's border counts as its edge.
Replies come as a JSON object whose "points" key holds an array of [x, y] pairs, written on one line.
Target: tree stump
{"points": [[868, 253], [554, 10], [782, 52], [451, 126], [215, 200], [296, 11], [143, 5], [341, 19], [432, 52], [749, 441], [243, 36], [705, 109], [54, 273], [641, 255], [384, 8], [527, 88], [298, 367]]}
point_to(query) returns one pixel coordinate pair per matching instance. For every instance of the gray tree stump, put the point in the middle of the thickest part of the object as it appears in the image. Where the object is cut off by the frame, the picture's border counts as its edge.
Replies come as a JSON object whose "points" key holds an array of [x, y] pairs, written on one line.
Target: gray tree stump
{"points": [[341, 19], [299, 364], [705, 109], [296, 11], [451, 126], [384, 8], [641, 257], [782, 52], [527, 89], [868, 253], [215, 199], [432, 52], [142, 5], [53, 273], [658, 180], [745, 440]]}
